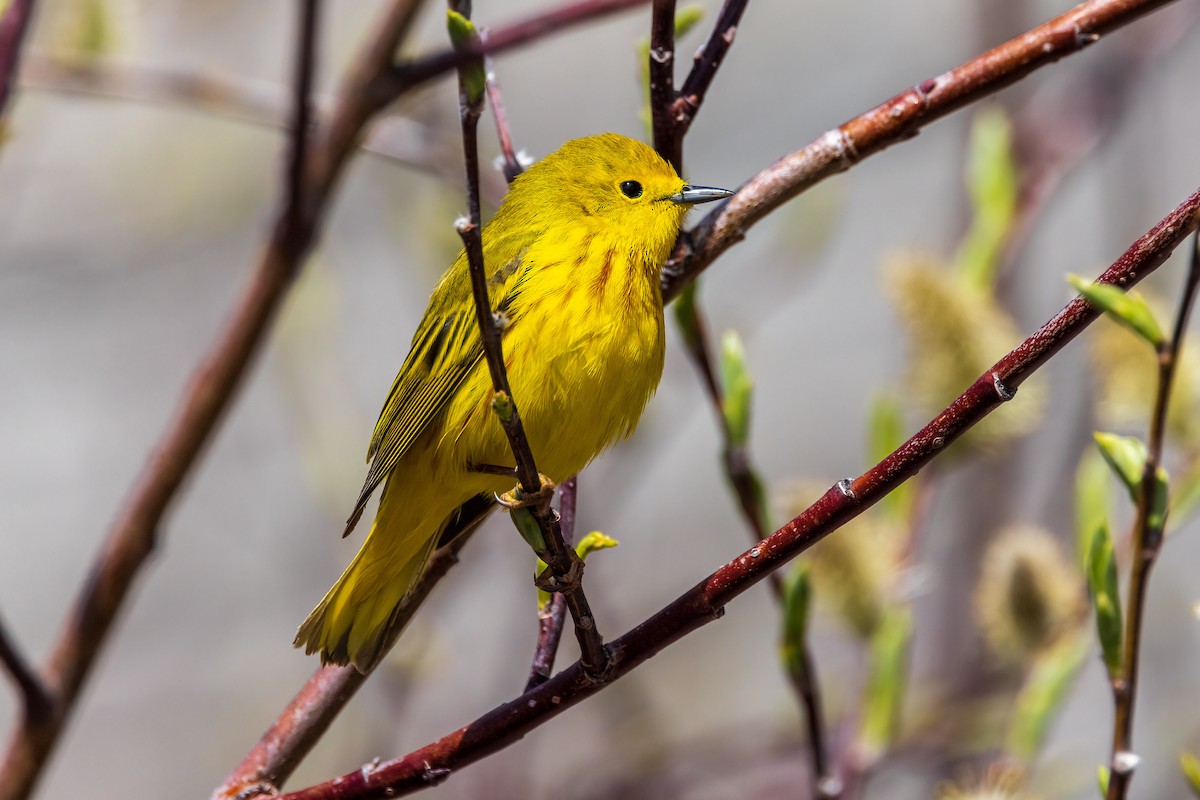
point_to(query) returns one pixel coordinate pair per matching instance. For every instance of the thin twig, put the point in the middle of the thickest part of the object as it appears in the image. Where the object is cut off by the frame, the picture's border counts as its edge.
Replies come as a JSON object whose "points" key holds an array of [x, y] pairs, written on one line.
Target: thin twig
{"points": [[1147, 542], [13, 25], [306, 718], [661, 70], [742, 478], [394, 138], [686, 103], [133, 536], [36, 701], [896, 120], [705, 602], [565, 566], [553, 615], [407, 75], [512, 165]]}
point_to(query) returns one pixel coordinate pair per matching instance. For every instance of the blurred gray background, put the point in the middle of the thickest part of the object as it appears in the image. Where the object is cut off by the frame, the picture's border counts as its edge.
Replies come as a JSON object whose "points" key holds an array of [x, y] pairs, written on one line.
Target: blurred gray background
{"points": [[127, 228]]}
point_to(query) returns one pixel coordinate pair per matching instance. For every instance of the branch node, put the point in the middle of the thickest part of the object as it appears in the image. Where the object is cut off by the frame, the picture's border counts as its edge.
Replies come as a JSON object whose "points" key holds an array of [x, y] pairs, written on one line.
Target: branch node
{"points": [[846, 487], [434, 775], [1003, 392], [1125, 762]]}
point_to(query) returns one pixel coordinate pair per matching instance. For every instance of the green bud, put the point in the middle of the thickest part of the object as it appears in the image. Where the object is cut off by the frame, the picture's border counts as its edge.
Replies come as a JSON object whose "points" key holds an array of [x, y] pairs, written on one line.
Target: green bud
{"points": [[1102, 780], [527, 526], [886, 681], [592, 542], [1093, 502], [471, 73], [687, 317], [1102, 581], [587, 545], [502, 404], [687, 18], [797, 594], [1127, 457], [992, 185], [1046, 686], [1128, 308], [1156, 520], [737, 388]]}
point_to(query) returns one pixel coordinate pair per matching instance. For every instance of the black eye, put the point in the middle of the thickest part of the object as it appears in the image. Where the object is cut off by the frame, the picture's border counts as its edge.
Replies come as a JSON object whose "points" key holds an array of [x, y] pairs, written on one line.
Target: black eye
{"points": [[631, 189]]}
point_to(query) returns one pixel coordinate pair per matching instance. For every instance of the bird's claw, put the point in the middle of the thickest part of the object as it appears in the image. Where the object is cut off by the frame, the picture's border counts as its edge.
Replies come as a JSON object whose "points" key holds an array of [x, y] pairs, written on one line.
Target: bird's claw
{"points": [[517, 498], [549, 581]]}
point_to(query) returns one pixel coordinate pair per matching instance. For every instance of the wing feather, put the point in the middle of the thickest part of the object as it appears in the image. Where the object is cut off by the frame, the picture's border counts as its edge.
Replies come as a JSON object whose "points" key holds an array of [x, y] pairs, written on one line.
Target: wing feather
{"points": [[445, 349]]}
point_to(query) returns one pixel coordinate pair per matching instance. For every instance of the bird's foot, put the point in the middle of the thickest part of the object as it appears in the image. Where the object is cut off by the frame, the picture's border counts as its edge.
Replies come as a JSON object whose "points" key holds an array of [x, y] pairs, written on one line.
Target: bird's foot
{"points": [[518, 498], [550, 581]]}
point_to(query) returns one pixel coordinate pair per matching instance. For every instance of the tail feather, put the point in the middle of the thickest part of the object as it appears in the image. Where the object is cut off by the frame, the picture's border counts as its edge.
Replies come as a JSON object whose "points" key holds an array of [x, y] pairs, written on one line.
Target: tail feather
{"points": [[351, 625]]}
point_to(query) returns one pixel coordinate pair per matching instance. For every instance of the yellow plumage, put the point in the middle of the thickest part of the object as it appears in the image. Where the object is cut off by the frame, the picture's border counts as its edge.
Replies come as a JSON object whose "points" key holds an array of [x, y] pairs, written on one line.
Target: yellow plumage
{"points": [[573, 258]]}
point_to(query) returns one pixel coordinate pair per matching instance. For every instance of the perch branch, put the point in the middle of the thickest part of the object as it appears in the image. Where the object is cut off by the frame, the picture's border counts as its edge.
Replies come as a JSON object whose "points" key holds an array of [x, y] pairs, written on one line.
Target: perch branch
{"points": [[705, 602], [900, 118], [565, 566], [313, 709], [13, 24]]}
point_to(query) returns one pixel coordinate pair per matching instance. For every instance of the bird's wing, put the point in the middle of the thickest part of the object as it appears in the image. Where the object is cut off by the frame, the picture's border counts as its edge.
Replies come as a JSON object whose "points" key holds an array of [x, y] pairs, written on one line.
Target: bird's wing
{"points": [[445, 348]]}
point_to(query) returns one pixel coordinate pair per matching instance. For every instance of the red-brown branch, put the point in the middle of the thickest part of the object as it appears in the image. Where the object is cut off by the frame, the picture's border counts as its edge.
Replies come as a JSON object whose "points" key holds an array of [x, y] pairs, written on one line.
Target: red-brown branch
{"points": [[900, 118], [687, 101], [705, 602], [13, 25], [134, 535]]}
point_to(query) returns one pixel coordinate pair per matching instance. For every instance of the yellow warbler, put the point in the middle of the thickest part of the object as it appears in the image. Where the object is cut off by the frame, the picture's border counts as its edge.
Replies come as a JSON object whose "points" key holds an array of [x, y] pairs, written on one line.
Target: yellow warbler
{"points": [[572, 259]]}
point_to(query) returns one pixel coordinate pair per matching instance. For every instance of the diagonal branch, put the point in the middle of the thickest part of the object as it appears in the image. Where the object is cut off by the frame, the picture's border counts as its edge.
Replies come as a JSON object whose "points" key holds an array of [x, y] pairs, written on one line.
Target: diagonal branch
{"points": [[705, 602], [134, 534], [14, 22], [565, 566], [900, 118], [306, 718], [34, 698], [686, 103], [408, 75]]}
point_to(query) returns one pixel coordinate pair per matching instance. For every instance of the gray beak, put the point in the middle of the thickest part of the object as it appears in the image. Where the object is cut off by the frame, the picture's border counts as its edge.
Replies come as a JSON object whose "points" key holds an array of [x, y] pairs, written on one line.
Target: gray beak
{"points": [[693, 195]]}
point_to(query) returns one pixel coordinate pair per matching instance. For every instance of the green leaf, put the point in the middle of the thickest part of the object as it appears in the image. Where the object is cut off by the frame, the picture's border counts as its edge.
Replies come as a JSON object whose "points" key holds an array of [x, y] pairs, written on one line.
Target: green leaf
{"points": [[737, 388], [1128, 308], [797, 593], [1106, 597], [592, 542], [1127, 457], [1093, 502], [687, 18], [1046, 686], [471, 73], [1102, 780], [587, 545], [528, 527], [886, 681], [687, 316], [992, 185], [1191, 772], [885, 434]]}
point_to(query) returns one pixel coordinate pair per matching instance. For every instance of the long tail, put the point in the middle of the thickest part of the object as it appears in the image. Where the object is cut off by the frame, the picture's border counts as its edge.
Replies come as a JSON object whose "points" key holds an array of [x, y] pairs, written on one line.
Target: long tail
{"points": [[350, 625]]}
